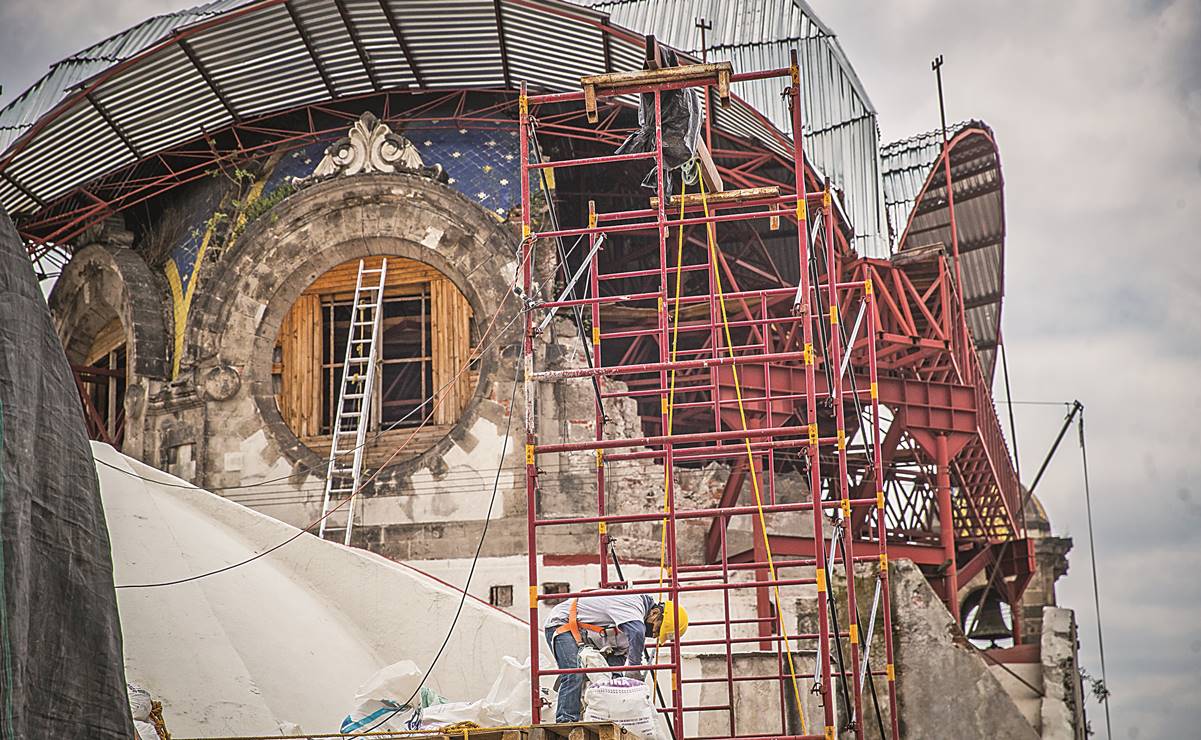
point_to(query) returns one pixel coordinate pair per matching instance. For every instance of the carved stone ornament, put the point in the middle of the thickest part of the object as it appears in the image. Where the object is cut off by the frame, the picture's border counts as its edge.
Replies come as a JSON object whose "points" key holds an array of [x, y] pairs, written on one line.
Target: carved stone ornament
{"points": [[369, 146]]}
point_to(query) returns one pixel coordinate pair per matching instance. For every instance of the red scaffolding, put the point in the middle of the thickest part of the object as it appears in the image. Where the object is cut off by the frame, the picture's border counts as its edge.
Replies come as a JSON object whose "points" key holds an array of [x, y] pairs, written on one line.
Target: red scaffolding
{"points": [[721, 352]]}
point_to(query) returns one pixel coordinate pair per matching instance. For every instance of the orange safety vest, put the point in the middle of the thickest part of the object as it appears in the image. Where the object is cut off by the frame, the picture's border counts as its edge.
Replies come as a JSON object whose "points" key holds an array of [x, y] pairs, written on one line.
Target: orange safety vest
{"points": [[573, 625]]}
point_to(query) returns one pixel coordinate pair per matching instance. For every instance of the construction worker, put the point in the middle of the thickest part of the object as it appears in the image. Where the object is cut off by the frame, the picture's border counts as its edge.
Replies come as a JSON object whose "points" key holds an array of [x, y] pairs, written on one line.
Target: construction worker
{"points": [[614, 624]]}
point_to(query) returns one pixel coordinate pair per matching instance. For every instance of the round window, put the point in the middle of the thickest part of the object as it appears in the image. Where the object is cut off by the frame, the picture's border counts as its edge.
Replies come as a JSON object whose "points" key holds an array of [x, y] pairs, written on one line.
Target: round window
{"points": [[422, 348]]}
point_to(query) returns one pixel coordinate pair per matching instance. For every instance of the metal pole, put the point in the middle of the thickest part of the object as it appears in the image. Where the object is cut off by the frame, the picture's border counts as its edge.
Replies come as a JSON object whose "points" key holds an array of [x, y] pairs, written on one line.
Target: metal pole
{"points": [[881, 514], [946, 524], [936, 65], [531, 470]]}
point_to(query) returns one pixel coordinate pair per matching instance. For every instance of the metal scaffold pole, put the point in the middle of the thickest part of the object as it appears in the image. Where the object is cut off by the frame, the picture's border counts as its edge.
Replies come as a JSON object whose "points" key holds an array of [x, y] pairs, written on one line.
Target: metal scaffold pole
{"points": [[741, 365]]}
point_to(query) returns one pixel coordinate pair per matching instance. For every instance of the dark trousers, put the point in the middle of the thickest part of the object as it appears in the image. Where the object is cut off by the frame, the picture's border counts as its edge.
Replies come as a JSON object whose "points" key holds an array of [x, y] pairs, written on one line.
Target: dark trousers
{"points": [[571, 685]]}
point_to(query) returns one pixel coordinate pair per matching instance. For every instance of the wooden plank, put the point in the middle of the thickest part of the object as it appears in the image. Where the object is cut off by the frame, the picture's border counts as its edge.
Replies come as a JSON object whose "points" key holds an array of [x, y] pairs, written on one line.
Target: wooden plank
{"points": [[311, 410], [438, 349], [613, 83], [725, 196], [304, 384], [481, 734], [107, 340], [380, 447], [401, 272], [579, 731], [709, 173]]}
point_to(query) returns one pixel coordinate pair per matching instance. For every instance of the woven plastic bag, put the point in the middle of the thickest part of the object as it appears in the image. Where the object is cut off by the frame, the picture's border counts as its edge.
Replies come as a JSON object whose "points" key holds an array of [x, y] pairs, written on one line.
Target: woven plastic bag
{"points": [[625, 701]]}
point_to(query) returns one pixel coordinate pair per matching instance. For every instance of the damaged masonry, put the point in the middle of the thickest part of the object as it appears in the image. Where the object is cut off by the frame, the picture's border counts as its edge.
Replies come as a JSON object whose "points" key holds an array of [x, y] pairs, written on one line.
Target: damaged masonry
{"points": [[389, 388]]}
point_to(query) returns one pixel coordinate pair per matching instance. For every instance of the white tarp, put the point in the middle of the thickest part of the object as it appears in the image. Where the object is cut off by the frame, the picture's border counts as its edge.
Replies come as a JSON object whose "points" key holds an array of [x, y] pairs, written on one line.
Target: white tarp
{"points": [[285, 639]]}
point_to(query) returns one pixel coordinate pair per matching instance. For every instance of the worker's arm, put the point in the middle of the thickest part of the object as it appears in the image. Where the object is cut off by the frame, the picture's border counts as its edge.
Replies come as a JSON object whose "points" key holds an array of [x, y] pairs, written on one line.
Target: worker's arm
{"points": [[635, 633]]}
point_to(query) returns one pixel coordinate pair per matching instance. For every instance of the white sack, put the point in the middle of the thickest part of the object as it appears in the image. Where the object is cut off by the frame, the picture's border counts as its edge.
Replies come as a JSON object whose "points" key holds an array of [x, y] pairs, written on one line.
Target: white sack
{"points": [[398, 682], [625, 701]]}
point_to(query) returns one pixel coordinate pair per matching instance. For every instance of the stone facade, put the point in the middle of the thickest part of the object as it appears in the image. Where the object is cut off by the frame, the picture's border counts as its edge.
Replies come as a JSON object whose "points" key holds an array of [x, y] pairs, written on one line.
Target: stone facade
{"points": [[217, 423]]}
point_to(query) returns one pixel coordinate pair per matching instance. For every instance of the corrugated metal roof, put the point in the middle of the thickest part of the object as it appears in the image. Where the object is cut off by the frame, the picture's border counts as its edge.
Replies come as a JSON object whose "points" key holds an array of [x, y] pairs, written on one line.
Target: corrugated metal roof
{"points": [[916, 197], [257, 66], [20, 114], [177, 80], [841, 135]]}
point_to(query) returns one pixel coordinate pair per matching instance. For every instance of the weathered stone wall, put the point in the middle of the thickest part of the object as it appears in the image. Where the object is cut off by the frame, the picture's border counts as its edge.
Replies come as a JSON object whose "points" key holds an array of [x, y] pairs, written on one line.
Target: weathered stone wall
{"points": [[944, 687], [218, 425], [108, 280], [1063, 705]]}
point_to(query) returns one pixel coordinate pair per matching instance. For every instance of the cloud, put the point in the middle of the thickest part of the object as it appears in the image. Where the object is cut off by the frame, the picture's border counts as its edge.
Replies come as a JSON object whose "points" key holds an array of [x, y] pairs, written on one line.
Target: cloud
{"points": [[1096, 105], [34, 34]]}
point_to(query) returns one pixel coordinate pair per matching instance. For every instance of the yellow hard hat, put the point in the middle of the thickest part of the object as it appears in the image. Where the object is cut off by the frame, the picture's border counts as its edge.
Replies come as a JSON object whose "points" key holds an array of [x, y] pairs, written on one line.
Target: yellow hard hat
{"points": [[668, 625]]}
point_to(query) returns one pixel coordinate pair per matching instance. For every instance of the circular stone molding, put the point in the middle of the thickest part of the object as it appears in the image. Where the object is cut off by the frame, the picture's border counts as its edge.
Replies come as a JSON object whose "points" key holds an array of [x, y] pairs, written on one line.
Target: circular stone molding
{"points": [[327, 224]]}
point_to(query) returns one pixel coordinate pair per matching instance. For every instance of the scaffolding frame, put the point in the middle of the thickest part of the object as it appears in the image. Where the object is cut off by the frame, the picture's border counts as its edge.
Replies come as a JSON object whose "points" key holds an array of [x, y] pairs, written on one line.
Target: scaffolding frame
{"points": [[812, 339]]}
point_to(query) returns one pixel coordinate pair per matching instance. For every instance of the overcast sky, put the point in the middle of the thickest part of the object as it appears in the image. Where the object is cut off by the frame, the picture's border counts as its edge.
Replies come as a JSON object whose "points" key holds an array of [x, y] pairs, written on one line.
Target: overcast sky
{"points": [[1096, 105]]}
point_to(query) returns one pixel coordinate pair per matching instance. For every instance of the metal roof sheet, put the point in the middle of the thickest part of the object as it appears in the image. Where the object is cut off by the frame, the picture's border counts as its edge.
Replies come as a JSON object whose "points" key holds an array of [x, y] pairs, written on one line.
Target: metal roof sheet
{"points": [[841, 135], [915, 194], [19, 115], [174, 78]]}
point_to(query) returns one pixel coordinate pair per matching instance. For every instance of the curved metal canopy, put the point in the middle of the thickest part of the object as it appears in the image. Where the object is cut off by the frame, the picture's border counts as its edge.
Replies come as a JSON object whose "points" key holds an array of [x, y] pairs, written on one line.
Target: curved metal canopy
{"points": [[177, 78], [916, 193]]}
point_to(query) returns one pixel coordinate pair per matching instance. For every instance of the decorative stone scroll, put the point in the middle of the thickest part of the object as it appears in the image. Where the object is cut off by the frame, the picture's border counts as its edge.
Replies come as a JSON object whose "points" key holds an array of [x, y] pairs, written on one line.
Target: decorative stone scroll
{"points": [[369, 146]]}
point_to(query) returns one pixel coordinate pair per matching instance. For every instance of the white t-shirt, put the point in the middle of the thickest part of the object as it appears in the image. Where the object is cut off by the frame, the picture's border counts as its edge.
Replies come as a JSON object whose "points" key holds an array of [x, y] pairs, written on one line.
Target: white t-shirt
{"points": [[603, 611]]}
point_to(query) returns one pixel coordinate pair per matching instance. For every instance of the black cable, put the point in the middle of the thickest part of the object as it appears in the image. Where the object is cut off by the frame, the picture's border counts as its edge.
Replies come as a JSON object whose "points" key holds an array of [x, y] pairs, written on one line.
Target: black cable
{"points": [[1013, 429], [577, 311], [871, 681], [231, 566], [479, 546], [1092, 554], [833, 607], [1076, 408]]}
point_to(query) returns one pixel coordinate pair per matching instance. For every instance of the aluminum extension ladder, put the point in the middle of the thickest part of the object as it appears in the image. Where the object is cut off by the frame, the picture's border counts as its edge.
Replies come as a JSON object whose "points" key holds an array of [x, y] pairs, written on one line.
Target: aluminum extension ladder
{"points": [[343, 476]]}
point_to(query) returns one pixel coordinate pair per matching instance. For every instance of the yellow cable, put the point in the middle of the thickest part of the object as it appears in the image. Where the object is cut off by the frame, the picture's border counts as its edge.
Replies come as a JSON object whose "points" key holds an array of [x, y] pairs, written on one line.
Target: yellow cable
{"points": [[750, 455], [671, 394], [671, 399]]}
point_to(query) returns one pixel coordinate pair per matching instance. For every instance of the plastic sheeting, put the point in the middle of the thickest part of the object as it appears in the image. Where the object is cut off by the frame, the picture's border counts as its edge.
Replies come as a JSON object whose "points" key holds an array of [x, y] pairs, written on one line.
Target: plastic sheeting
{"points": [[682, 121], [61, 674]]}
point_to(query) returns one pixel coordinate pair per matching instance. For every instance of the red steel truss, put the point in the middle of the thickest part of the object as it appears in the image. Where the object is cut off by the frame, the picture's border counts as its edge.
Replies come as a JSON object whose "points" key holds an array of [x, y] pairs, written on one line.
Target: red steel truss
{"points": [[762, 379]]}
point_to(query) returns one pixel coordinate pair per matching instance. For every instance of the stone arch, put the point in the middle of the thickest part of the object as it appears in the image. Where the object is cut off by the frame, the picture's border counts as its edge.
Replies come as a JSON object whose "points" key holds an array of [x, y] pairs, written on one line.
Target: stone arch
{"points": [[236, 319], [102, 283]]}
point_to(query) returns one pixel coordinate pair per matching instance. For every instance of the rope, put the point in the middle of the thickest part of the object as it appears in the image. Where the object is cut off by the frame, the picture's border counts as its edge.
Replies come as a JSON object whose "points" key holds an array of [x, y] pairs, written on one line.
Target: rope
{"points": [[671, 401], [771, 565], [671, 393]]}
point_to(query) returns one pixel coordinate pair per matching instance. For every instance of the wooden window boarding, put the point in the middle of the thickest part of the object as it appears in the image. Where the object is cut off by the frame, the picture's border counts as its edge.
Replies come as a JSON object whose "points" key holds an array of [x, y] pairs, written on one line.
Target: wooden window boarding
{"points": [[425, 341]]}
